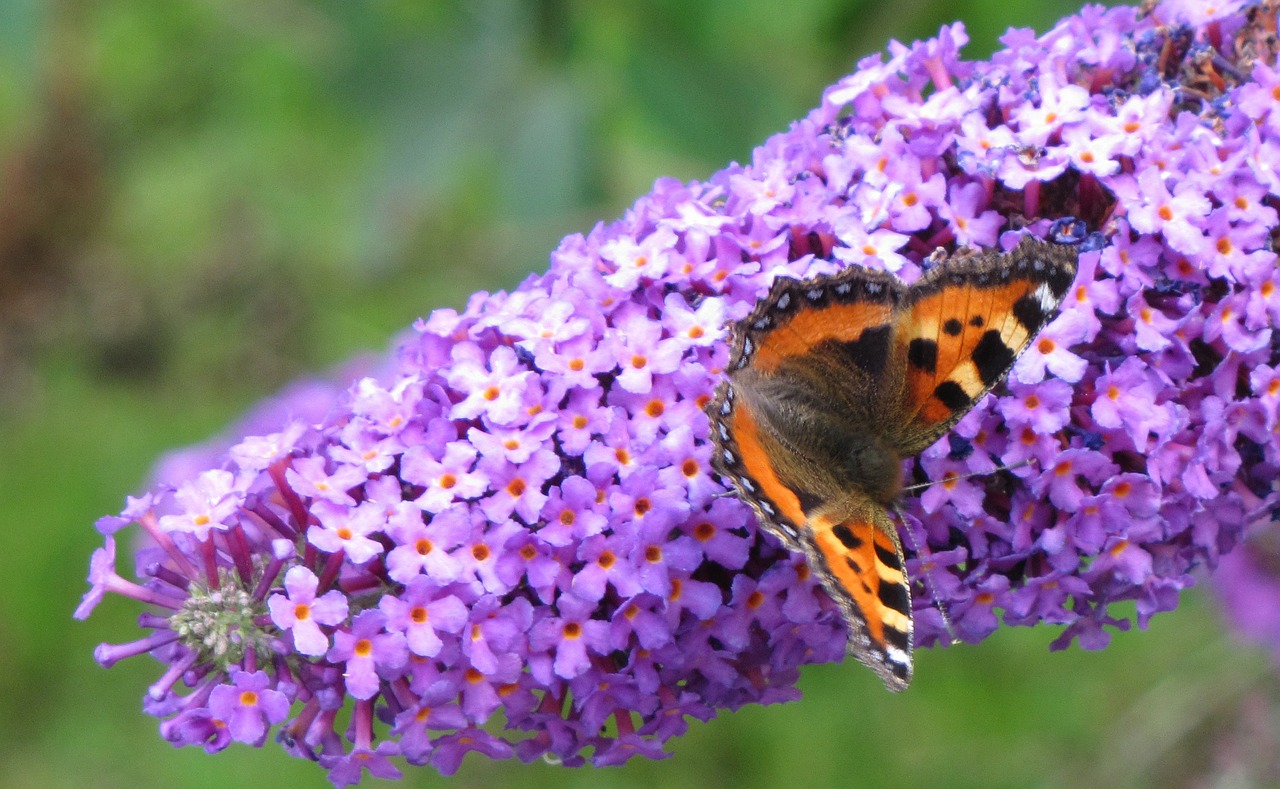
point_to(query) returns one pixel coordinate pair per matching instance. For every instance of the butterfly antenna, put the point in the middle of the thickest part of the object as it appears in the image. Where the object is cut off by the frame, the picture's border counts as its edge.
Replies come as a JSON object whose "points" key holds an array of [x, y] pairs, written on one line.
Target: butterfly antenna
{"points": [[922, 551], [922, 485]]}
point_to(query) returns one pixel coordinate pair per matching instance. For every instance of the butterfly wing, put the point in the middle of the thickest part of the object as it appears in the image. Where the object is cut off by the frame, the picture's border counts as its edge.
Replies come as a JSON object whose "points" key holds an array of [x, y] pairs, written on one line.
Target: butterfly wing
{"points": [[966, 323], [856, 553], [808, 380], [802, 373]]}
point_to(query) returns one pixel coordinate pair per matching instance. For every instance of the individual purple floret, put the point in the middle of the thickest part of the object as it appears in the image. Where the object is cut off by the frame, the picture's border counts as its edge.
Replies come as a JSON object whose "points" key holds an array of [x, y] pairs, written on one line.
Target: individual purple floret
{"points": [[512, 541]]}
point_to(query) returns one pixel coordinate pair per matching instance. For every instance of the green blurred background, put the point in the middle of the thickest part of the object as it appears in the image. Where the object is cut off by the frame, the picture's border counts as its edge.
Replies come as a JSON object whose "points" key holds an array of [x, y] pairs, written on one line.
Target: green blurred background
{"points": [[201, 200]]}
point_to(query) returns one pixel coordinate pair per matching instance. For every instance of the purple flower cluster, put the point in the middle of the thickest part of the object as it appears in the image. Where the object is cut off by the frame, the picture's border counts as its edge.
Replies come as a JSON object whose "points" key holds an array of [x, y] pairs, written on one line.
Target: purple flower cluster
{"points": [[513, 543]]}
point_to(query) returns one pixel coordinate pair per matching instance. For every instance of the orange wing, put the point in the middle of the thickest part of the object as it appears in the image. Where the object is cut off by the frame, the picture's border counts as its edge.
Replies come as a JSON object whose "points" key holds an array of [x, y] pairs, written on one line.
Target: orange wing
{"points": [[967, 321], [741, 457], [860, 562], [758, 442]]}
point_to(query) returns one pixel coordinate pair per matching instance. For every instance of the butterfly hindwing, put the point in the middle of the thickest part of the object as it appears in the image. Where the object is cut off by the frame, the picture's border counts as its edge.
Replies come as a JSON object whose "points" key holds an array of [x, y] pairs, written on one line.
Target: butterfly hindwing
{"points": [[967, 322], [858, 557], [740, 455], [806, 344]]}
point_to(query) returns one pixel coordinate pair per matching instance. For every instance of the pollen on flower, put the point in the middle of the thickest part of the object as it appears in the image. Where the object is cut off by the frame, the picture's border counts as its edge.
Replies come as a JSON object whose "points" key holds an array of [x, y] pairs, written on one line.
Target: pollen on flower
{"points": [[248, 698]]}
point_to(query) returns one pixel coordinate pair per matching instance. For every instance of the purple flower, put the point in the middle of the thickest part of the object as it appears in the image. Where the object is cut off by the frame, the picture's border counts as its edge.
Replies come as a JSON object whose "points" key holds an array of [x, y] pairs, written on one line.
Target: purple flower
{"points": [[514, 522], [366, 650], [307, 476], [422, 615], [248, 706], [205, 503], [347, 529], [302, 613]]}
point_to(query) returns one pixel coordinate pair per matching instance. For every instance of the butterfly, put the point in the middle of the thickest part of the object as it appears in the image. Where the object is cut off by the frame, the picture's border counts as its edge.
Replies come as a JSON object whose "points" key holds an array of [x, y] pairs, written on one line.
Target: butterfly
{"points": [[834, 381]]}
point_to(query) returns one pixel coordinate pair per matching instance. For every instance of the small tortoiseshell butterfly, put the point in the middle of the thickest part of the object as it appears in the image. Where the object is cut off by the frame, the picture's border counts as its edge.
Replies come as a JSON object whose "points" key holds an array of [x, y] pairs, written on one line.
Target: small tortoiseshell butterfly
{"points": [[834, 381]]}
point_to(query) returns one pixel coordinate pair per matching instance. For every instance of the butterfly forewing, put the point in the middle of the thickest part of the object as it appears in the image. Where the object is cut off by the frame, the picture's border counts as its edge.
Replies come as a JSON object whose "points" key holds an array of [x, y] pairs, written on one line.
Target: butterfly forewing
{"points": [[967, 323]]}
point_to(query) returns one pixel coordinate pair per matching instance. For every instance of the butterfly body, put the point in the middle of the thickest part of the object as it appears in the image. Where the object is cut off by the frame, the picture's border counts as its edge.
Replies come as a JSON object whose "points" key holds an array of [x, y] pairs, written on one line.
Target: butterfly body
{"points": [[834, 381]]}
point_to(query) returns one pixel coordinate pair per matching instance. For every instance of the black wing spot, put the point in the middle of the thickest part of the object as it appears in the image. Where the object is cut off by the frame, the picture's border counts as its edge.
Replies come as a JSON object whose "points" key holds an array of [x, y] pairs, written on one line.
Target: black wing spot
{"points": [[953, 327], [846, 537], [897, 638], [888, 558], [952, 395], [895, 596], [922, 354], [977, 321], [870, 352], [992, 357], [1029, 313]]}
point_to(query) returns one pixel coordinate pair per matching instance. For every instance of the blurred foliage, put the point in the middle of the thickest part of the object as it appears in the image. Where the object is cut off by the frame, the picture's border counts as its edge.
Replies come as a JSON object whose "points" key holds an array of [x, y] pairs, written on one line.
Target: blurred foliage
{"points": [[201, 200]]}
